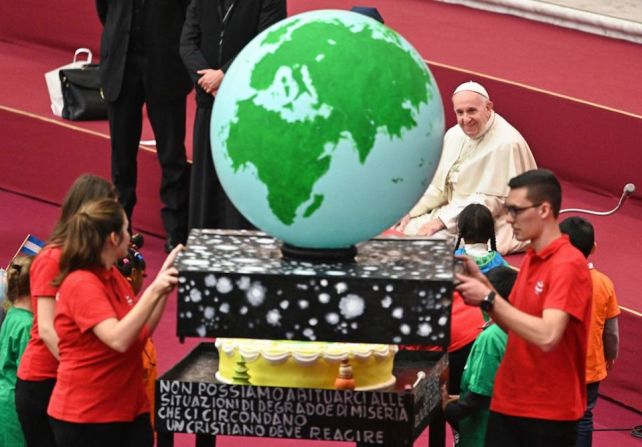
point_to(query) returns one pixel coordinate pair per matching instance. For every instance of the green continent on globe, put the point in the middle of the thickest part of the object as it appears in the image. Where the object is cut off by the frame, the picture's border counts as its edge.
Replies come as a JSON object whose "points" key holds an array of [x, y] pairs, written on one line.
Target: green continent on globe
{"points": [[315, 205], [364, 78]]}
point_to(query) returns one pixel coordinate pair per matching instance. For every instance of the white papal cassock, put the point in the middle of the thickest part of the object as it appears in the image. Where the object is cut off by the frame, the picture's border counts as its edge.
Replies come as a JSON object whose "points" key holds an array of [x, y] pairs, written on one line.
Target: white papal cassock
{"points": [[475, 170]]}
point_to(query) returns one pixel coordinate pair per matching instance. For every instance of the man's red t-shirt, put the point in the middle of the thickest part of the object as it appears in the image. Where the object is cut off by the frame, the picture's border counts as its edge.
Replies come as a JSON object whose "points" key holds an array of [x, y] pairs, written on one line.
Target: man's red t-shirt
{"points": [[38, 363], [96, 383], [548, 385]]}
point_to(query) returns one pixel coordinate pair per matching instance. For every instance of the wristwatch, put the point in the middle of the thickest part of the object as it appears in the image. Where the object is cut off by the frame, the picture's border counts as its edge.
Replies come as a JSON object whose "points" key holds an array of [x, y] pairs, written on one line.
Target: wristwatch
{"points": [[488, 302]]}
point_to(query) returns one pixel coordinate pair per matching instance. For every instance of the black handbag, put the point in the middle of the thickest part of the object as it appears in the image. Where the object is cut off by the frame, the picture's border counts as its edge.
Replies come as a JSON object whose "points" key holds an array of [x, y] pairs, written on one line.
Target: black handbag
{"points": [[81, 95]]}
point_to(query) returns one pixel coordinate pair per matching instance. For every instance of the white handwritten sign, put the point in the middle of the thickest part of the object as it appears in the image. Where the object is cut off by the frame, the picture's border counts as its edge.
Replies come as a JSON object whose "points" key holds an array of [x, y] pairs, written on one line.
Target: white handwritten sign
{"points": [[298, 413]]}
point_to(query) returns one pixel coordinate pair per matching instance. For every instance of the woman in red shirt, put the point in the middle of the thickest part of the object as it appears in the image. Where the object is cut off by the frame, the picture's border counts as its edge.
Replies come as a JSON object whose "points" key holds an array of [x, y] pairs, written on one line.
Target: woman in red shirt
{"points": [[99, 397], [37, 369]]}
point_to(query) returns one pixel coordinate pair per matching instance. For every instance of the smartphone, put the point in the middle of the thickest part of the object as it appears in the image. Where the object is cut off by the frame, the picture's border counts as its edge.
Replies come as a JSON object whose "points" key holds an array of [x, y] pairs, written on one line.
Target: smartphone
{"points": [[458, 267]]}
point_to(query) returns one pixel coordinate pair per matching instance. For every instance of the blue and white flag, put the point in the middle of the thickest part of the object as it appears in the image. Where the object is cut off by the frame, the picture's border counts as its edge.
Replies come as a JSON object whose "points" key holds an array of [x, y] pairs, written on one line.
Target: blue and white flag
{"points": [[31, 246]]}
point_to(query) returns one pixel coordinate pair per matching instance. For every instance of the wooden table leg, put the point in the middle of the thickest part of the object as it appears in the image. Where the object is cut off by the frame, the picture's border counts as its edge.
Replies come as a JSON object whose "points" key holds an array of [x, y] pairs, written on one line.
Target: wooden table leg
{"points": [[437, 430], [205, 441], [165, 439]]}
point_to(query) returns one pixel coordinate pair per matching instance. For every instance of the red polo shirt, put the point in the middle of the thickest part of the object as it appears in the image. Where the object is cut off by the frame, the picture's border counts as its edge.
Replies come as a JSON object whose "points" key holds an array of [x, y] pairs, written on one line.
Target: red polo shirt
{"points": [[548, 385], [38, 363], [96, 383]]}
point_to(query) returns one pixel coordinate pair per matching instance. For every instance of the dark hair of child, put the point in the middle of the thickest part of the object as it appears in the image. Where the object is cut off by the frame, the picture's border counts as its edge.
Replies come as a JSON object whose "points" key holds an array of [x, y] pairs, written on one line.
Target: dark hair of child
{"points": [[502, 278], [133, 260], [580, 232], [18, 278], [476, 226]]}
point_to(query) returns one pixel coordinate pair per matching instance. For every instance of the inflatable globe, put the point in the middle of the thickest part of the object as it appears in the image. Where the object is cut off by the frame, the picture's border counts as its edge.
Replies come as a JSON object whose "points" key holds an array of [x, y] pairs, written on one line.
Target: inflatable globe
{"points": [[327, 129]]}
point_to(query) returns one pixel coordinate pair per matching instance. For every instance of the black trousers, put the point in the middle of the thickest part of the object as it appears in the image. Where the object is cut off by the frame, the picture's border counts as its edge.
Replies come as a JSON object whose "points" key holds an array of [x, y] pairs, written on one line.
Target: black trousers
{"points": [[168, 122], [209, 205], [32, 400], [513, 431], [137, 433]]}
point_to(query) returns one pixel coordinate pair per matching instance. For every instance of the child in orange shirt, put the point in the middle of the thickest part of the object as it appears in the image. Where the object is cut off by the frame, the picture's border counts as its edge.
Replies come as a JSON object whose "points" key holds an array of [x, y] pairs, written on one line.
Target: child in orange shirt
{"points": [[602, 348]]}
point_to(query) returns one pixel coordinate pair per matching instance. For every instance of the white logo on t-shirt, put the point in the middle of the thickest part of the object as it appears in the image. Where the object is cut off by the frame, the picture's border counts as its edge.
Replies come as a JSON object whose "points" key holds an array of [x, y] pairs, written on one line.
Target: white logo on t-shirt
{"points": [[539, 287]]}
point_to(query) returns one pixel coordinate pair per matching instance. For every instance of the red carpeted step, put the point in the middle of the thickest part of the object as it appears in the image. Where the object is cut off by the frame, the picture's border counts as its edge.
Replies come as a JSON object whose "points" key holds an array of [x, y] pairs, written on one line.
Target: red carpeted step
{"points": [[42, 159]]}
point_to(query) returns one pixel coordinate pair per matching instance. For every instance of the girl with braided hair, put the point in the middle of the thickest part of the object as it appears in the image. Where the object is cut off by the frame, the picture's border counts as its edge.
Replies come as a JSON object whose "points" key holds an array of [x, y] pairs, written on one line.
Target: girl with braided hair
{"points": [[477, 229]]}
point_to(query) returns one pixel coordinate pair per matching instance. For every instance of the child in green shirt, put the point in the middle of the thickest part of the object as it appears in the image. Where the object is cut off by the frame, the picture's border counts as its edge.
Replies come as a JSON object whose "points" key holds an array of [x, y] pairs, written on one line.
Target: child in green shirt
{"points": [[14, 336], [468, 412]]}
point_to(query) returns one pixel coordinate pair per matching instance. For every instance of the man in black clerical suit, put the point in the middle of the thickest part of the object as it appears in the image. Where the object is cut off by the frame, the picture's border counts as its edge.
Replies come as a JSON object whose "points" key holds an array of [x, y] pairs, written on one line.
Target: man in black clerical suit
{"points": [[215, 31], [140, 64]]}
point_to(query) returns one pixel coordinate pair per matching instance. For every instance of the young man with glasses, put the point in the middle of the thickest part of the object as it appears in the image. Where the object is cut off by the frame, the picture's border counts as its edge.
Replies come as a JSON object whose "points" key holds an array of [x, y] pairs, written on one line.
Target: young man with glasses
{"points": [[540, 391]]}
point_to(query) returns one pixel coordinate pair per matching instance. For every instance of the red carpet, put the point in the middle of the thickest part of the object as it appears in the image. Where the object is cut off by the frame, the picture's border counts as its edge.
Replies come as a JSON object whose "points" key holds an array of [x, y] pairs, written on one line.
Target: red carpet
{"points": [[624, 383], [41, 160], [588, 144], [24, 89]]}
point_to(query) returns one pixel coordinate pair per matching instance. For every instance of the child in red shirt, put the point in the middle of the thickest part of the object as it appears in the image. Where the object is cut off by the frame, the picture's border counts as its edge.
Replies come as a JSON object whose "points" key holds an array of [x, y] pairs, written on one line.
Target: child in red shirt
{"points": [[99, 398], [39, 363]]}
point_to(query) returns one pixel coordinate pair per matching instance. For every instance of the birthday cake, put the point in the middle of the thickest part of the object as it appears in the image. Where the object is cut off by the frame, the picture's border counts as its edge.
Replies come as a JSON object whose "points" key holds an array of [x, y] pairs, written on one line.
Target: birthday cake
{"points": [[303, 364]]}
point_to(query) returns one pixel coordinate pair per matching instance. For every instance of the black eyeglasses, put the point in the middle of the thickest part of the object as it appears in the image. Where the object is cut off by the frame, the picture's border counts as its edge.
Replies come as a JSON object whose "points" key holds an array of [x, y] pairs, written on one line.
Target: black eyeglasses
{"points": [[515, 210]]}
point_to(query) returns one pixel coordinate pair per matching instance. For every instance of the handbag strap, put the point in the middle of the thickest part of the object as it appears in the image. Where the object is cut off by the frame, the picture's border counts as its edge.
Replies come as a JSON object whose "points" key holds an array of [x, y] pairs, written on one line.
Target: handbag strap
{"points": [[85, 51]]}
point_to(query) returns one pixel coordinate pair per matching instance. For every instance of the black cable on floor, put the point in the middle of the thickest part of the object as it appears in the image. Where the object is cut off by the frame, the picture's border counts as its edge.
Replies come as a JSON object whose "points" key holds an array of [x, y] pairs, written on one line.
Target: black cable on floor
{"points": [[636, 431], [612, 429]]}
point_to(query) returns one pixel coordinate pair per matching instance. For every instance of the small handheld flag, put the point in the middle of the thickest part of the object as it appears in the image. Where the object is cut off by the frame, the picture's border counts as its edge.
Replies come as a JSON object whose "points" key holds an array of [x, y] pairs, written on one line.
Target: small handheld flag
{"points": [[31, 246]]}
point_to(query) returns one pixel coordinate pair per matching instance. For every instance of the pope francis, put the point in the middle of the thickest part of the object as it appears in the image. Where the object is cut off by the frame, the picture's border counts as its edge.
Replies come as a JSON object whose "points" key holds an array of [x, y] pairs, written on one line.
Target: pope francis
{"points": [[480, 155]]}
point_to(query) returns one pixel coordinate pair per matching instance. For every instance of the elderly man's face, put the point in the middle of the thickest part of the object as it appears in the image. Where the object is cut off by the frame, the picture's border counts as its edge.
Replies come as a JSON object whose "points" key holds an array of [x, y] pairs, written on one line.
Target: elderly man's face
{"points": [[473, 112]]}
